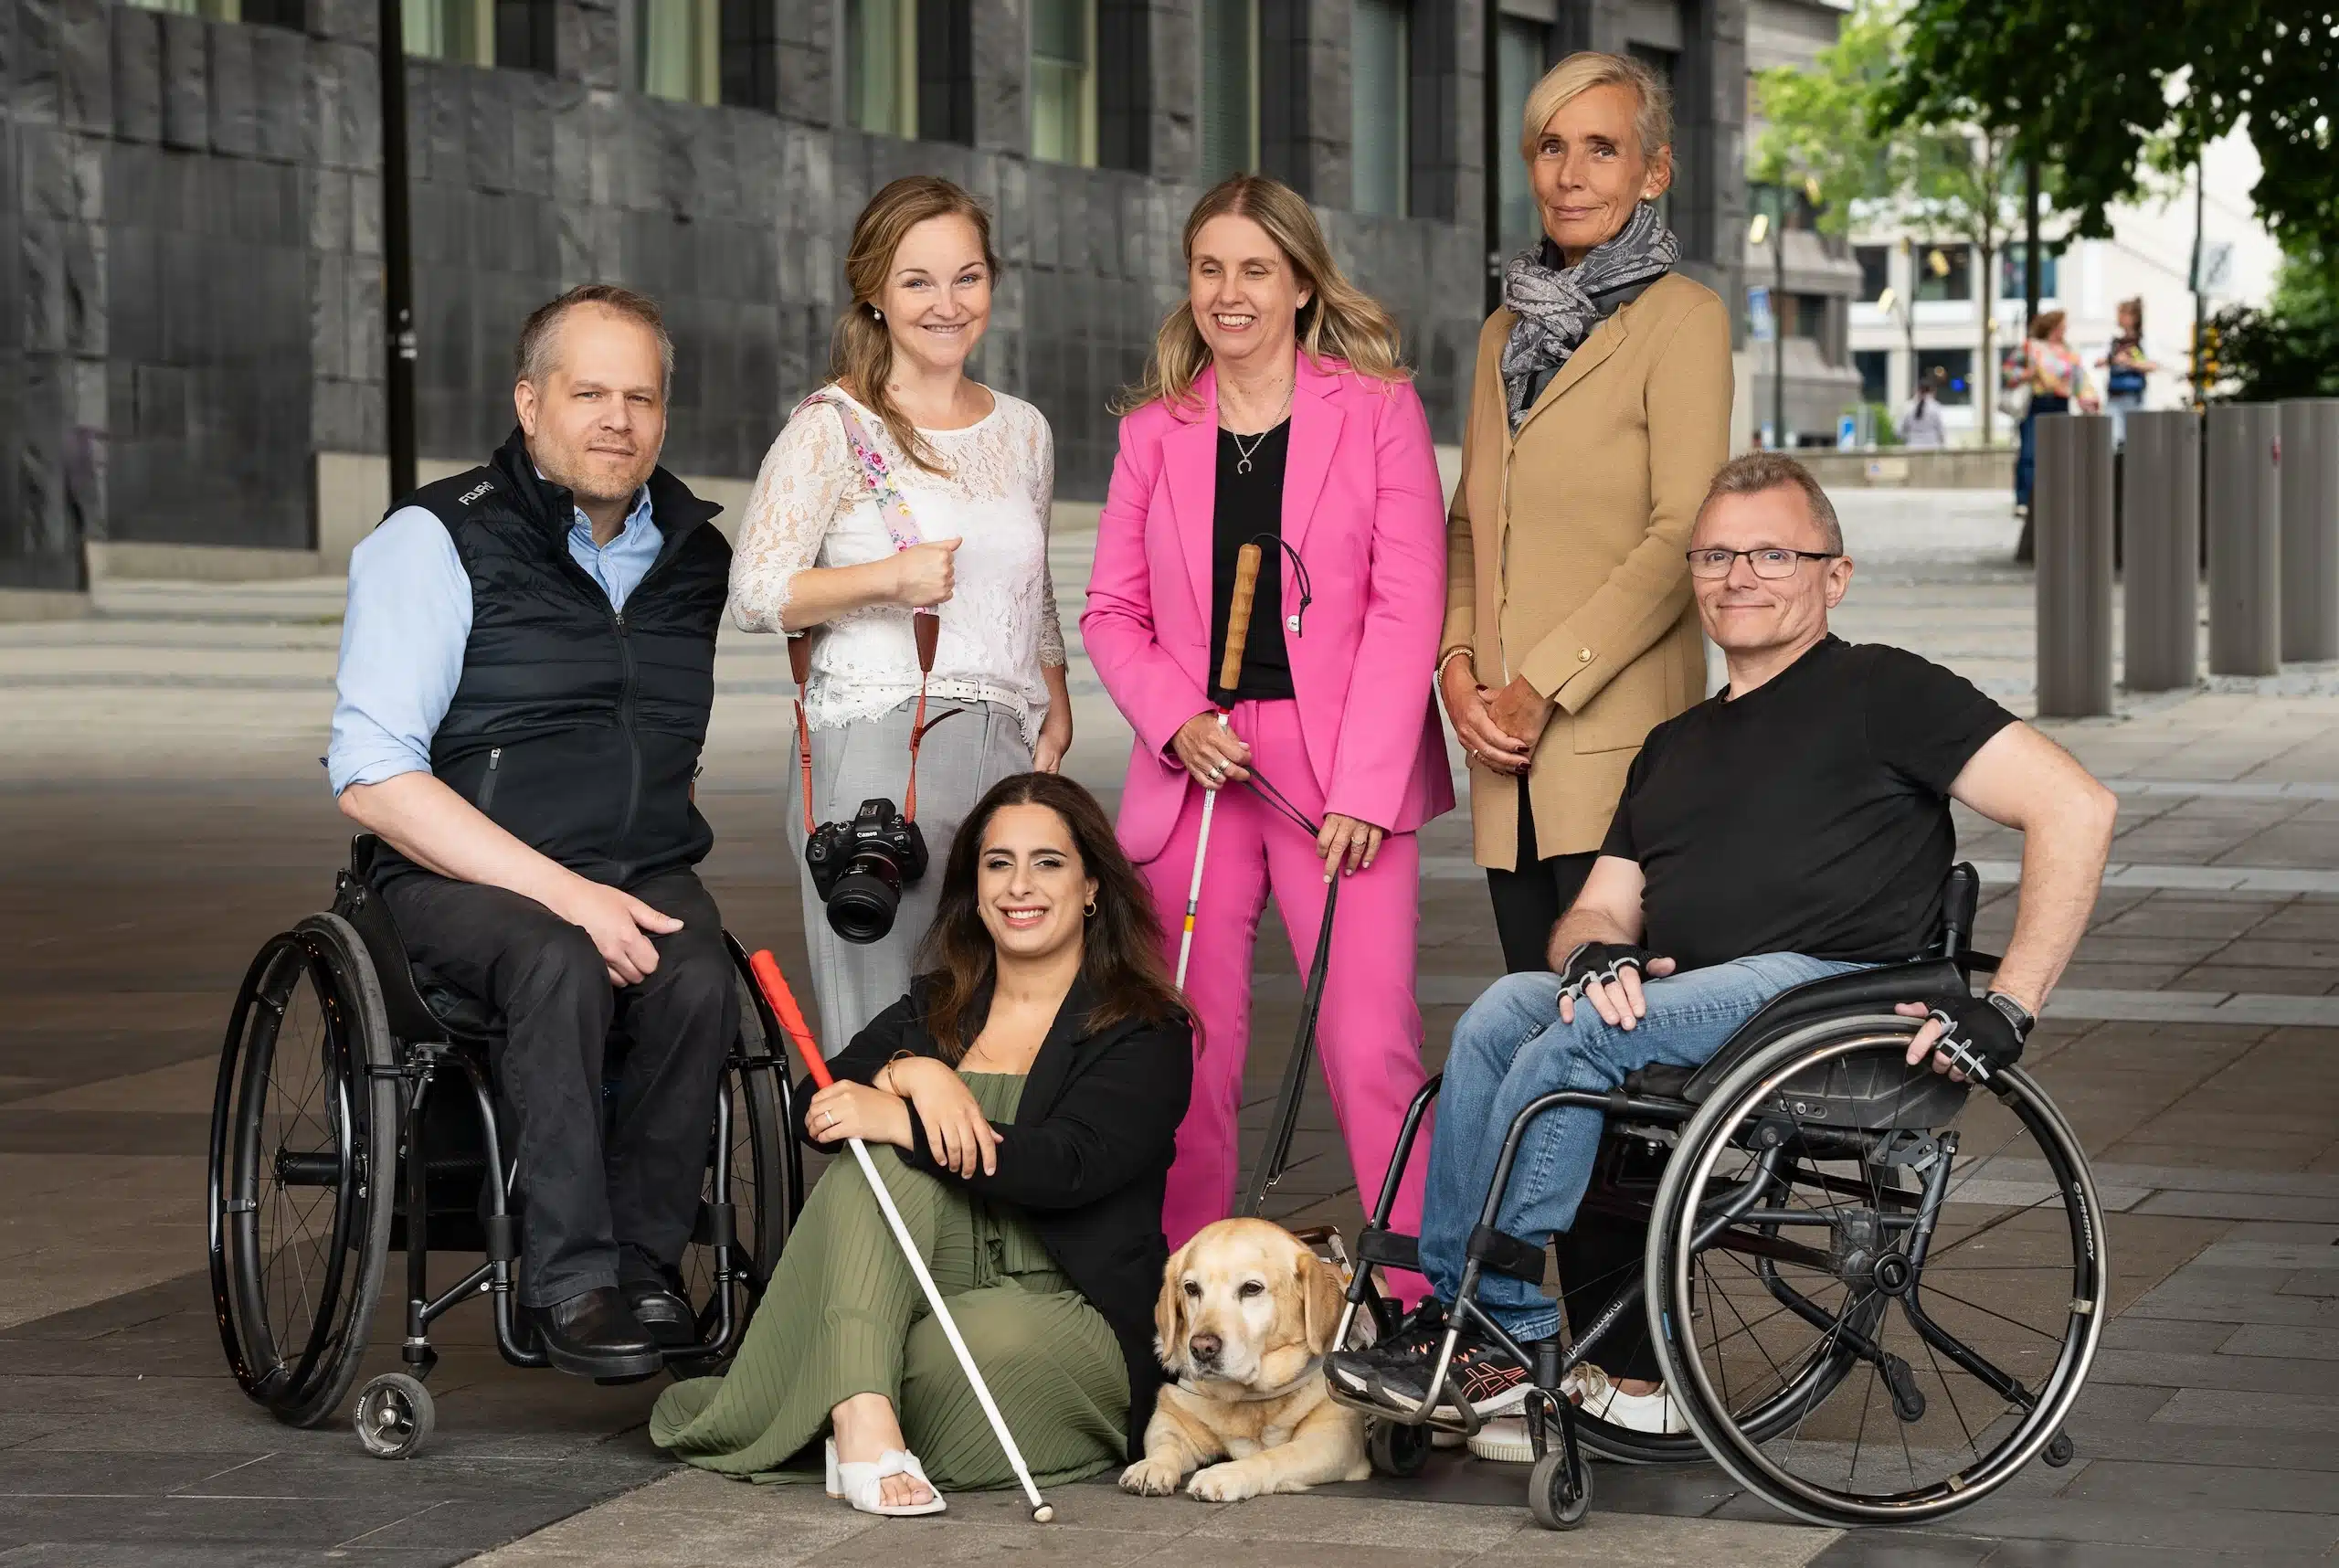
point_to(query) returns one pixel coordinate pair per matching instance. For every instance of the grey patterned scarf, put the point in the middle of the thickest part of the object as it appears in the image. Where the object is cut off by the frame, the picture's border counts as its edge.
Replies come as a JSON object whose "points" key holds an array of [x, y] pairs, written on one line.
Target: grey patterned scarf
{"points": [[1557, 306]]}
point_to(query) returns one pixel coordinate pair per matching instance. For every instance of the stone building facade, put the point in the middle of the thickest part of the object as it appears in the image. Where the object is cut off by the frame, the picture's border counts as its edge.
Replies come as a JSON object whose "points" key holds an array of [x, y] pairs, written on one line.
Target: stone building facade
{"points": [[190, 225]]}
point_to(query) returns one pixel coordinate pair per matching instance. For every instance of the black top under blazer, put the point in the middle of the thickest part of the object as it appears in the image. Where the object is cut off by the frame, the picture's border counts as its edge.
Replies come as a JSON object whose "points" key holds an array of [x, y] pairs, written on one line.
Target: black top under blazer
{"points": [[1086, 1159]]}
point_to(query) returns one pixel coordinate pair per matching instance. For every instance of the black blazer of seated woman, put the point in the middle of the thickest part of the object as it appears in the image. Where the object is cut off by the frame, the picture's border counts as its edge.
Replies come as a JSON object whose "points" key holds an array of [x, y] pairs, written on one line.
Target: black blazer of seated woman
{"points": [[1086, 1158]]}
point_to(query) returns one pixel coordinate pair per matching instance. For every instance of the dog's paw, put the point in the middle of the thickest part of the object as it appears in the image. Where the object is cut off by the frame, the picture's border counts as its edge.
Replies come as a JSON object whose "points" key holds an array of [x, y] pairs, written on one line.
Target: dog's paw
{"points": [[1152, 1478], [1230, 1482]]}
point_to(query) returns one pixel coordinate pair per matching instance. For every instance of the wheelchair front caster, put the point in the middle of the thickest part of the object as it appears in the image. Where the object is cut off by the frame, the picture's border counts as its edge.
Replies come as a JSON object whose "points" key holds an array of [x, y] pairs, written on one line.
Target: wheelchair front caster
{"points": [[1397, 1449], [1558, 1499], [395, 1415], [2060, 1450]]}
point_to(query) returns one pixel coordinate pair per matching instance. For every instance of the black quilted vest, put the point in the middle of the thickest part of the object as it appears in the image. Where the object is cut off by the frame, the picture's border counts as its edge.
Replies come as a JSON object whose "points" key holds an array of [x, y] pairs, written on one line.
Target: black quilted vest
{"points": [[576, 726]]}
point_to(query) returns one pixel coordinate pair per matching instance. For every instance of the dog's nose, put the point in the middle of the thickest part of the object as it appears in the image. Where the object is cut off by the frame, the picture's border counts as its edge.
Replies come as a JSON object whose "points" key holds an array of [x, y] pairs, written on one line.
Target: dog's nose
{"points": [[1204, 1348]]}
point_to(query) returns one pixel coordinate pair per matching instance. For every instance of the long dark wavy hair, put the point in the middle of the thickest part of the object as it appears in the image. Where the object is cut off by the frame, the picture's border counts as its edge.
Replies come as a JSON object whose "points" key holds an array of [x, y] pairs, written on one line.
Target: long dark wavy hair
{"points": [[1121, 952]]}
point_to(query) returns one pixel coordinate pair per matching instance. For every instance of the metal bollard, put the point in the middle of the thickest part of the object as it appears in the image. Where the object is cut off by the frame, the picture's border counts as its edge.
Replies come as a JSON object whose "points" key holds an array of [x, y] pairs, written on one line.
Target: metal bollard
{"points": [[2160, 517], [2242, 516], [2071, 499], [2310, 527]]}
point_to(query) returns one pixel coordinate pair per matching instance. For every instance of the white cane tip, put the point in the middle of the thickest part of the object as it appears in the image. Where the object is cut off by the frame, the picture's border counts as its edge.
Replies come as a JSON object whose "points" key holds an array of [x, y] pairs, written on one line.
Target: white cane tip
{"points": [[1043, 1514]]}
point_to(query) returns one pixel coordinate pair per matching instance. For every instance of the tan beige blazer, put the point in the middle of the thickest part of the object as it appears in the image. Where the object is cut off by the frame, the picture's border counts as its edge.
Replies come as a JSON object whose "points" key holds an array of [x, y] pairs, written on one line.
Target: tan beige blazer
{"points": [[1564, 551]]}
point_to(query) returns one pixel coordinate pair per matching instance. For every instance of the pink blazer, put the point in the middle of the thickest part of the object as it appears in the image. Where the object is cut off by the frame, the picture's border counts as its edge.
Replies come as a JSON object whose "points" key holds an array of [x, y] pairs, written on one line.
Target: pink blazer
{"points": [[1363, 506]]}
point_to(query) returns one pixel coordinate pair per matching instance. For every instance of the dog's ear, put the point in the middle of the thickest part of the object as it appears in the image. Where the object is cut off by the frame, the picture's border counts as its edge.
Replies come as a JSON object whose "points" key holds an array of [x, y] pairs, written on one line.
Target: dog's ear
{"points": [[1324, 1299], [1169, 1311]]}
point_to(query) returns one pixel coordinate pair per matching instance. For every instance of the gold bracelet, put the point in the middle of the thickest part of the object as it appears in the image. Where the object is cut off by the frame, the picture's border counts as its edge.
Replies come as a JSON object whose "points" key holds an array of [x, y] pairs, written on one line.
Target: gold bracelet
{"points": [[1462, 651]]}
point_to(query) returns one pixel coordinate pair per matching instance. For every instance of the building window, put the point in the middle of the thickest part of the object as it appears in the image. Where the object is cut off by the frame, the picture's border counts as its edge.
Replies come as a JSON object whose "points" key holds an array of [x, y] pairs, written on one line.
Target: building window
{"points": [[463, 31], [880, 66], [1952, 369], [677, 49], [1381, 107], [1063, 81], [2010, 268], [1808, 317], [1522, 55], [1945, 272], [1875, 365], [1230, 110], [264, 13], [1876, 270]]}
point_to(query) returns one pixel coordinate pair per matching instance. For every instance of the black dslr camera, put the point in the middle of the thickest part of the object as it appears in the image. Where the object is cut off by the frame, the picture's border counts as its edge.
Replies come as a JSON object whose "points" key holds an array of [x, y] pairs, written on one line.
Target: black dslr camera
{"points": [[860, 868]]}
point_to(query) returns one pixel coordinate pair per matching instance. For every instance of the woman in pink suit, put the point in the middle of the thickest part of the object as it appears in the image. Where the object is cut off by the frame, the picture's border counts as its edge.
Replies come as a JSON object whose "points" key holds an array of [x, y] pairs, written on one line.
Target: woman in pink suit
{"points": [[1274, 411]]}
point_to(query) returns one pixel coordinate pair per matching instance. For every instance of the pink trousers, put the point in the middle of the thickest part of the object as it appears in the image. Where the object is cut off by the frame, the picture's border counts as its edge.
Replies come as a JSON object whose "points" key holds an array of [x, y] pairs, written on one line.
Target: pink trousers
{"points": [[1369, 1034]]}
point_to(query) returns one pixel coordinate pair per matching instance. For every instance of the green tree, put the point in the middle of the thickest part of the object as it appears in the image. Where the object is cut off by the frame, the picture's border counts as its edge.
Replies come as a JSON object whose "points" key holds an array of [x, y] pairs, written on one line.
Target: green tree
{"points": [[2103, 91], [2291, 349], [1833, 130]]}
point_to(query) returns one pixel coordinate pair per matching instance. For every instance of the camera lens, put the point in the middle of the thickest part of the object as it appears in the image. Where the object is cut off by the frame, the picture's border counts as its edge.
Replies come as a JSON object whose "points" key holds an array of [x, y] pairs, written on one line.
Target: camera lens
{"points": [[867, 897]]}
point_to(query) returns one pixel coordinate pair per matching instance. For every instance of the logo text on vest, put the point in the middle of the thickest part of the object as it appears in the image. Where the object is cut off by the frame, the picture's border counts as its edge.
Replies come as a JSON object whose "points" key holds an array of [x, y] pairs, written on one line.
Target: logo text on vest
{"points": [[466, 497]]}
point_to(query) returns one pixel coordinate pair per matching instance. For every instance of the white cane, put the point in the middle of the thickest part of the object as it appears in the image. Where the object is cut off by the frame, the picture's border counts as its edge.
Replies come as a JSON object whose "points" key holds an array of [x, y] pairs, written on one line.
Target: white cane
{"points": [[791, 1018], [1229, 675]]}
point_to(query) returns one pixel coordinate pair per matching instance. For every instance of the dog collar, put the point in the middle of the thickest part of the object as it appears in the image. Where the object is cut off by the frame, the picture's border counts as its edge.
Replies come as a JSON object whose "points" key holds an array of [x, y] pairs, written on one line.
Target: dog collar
{"points": [[1314, 1368]]}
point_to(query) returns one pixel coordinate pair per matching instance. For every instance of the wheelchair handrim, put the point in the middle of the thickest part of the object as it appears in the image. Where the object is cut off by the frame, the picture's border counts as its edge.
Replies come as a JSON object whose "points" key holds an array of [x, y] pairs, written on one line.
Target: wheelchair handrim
{"points": [[1669, 1272]]}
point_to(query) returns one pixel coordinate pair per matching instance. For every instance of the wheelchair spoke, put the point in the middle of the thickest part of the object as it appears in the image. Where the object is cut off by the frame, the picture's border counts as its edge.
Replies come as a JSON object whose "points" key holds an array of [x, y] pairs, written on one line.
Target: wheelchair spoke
{"points": [[1946, 1387], [1932, 1289]]}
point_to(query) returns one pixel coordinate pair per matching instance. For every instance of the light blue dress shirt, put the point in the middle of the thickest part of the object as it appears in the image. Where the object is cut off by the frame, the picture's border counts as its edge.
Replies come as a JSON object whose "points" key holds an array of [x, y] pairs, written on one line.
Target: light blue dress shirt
{"points": [[409, 618]]}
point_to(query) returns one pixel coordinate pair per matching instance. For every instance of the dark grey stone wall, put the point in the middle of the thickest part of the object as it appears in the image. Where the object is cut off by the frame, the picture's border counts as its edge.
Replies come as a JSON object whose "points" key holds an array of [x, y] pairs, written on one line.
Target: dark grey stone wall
{"points": [[190, 231]]}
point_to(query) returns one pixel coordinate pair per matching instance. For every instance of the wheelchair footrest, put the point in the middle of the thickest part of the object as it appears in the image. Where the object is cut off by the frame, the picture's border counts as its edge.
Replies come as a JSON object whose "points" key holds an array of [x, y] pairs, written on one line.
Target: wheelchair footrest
{"points": [[1506, 1253], [1389, 1250]]}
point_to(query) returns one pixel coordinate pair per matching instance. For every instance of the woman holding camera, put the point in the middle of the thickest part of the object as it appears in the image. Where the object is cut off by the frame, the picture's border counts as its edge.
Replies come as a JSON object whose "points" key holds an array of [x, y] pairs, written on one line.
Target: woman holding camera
{"points": [[904, 490], [1022, 1102], [1274, 412]]}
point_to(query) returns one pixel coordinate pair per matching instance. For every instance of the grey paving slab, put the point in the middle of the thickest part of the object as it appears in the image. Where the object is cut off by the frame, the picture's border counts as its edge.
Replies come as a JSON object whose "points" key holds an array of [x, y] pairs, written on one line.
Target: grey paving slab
{"points": [[2203, 1369], [2320, 1343], [2091, 1554], [2242, 1206], [2274, 1411], [1905, 1549], [2160, 1485]]}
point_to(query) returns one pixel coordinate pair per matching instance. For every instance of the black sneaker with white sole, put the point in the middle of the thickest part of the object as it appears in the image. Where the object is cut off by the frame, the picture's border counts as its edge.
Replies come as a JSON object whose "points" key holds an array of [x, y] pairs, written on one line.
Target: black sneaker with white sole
{"points": [[1398, 1372]]}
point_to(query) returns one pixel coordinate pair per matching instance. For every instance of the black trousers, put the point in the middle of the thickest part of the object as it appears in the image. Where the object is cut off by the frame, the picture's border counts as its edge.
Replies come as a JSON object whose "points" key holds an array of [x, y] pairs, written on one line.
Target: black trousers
{"points": [[592, 1209], [1602, 1254]]}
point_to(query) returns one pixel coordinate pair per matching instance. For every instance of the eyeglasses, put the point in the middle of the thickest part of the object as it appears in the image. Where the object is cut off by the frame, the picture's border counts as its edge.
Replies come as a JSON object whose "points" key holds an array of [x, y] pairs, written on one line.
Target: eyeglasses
{"points": [[1768, 562]]}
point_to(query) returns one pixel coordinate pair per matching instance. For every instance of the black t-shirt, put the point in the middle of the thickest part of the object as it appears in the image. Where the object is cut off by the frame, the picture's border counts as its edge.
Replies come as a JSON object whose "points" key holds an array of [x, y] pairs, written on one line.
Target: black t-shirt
{"points": [[1809, 816], [1250, 502]]}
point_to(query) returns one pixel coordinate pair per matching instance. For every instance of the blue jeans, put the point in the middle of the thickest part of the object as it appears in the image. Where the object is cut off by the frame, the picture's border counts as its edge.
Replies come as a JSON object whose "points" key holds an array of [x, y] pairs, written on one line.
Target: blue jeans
{"points": [[2026, 458], [1510, 1049]]}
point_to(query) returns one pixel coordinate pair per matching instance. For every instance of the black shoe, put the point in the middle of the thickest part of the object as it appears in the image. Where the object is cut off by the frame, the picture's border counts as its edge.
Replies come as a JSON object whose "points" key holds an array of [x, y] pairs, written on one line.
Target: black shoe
{"points": [[595, 1334], [1398, 1372], [663, 1312]]}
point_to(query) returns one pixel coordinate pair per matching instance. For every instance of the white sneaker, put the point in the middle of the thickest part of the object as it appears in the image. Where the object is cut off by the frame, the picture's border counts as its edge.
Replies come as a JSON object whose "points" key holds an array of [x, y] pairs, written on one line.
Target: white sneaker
{"points": [[1597, 1395], [1503, 1440]]}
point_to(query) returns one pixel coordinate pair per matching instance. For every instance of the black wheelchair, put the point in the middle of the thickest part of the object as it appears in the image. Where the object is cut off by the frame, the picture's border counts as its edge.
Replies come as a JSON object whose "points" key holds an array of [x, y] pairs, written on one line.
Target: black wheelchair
{"points": [[1874, 1293], [336, 1138]]}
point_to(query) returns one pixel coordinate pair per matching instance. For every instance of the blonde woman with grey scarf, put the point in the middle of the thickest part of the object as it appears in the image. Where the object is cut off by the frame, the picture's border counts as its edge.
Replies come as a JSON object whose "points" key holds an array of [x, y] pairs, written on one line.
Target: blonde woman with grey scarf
{"points": [[1600, 414]]}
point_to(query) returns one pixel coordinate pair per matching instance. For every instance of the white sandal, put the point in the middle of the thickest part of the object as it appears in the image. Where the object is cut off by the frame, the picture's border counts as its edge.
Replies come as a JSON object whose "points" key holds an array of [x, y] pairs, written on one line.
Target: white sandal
{"points": [[862, 1486]]}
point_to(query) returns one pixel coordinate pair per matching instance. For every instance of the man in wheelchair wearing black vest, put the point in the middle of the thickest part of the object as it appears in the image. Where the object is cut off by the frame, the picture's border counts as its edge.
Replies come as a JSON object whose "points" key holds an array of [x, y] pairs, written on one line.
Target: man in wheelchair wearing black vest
{"points": [[526, 669], [1794, 826]]}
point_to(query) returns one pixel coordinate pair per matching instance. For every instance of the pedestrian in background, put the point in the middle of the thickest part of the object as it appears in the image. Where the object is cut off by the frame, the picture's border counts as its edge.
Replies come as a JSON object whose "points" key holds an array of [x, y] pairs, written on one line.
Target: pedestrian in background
{"points": [[2044, 376], [1921, 426], [1600, 413], [1274, 410], [822, 555], [2124, 369]]}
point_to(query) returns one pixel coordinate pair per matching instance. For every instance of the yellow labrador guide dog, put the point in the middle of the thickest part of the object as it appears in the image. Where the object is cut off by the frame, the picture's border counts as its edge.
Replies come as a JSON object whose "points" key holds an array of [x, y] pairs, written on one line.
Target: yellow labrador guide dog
{"points": [[1245, 1319]]}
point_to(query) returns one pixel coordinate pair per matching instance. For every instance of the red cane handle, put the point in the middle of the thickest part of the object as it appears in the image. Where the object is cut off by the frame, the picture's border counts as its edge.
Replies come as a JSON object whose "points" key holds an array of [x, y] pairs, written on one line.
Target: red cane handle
{"points": [[774, 985]]}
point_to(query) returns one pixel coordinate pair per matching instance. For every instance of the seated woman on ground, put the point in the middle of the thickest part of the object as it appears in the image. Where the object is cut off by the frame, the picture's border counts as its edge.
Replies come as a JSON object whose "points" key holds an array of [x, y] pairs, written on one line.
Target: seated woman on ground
{"points": [[1021, 1104]]}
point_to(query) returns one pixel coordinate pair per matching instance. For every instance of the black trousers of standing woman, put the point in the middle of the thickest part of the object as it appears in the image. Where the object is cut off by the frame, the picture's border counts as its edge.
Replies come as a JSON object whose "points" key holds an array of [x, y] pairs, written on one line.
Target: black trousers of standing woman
{"points": [[1602, 1253]]}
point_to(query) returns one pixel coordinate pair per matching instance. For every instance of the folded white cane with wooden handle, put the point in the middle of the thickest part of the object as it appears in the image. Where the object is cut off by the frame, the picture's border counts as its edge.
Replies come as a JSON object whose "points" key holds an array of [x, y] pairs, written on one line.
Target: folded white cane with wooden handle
{"points": [[1229, 675]]}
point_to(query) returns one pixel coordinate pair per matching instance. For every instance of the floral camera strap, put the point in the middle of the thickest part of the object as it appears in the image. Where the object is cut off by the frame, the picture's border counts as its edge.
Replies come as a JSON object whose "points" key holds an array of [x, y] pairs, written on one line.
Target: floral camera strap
{"points": [[901, 522]]}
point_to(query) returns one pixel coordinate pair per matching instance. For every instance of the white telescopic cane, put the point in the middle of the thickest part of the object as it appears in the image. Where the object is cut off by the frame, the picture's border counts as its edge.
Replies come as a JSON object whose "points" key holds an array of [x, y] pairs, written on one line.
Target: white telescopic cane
{"points": [[1229, 675], [791, 1018]]}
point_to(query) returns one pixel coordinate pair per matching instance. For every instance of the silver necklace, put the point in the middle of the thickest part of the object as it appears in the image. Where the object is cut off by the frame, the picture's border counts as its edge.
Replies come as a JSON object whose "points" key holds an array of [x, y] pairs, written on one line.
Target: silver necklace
{"points": [[1245, 454]]}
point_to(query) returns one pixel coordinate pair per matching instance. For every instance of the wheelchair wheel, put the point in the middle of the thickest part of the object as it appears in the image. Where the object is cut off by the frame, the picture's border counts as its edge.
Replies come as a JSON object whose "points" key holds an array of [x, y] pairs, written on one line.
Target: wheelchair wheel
{"points": [[765, 1174], [1557, 1497], [1820, 1232], [1397, 1449], [303, 1153]]}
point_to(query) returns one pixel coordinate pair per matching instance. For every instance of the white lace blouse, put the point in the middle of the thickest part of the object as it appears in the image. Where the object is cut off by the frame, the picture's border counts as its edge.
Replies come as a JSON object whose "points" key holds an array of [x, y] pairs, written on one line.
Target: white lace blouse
{"points": [[810, 507]]}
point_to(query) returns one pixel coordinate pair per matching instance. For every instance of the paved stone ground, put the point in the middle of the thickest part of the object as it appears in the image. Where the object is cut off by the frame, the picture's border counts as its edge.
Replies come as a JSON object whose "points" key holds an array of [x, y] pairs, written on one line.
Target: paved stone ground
{"points": [[164, 811]]}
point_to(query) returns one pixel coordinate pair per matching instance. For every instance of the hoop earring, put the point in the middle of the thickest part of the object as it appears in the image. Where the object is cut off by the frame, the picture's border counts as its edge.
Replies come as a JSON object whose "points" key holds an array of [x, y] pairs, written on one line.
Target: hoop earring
{"points": [[1090, 909]]}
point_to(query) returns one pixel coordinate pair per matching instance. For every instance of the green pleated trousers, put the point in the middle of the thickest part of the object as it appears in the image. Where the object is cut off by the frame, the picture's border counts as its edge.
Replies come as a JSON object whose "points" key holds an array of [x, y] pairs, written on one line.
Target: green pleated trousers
{"points": [[843, 1315]]}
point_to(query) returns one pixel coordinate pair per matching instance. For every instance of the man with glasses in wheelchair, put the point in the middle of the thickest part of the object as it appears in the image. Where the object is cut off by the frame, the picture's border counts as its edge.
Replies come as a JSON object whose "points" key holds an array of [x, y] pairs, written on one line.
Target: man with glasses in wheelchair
{"points": [[1794, 827], [526, 672]]}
